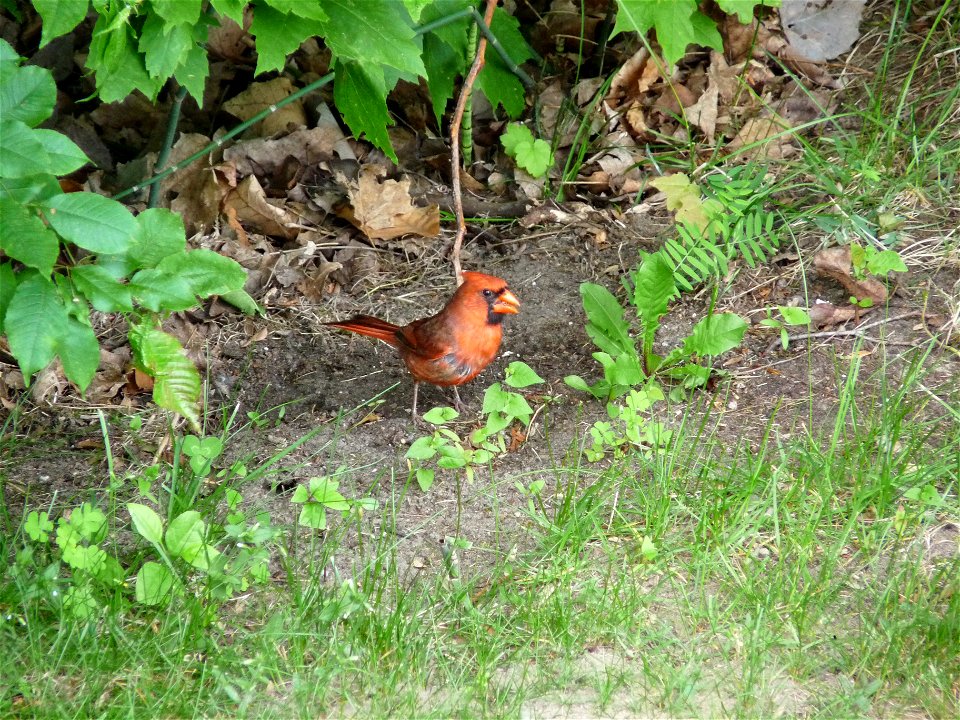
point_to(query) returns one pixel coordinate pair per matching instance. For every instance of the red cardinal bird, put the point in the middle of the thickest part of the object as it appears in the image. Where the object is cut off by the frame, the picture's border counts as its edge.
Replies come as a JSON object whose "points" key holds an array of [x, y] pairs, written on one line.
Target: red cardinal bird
{"points": [[453, 346]]}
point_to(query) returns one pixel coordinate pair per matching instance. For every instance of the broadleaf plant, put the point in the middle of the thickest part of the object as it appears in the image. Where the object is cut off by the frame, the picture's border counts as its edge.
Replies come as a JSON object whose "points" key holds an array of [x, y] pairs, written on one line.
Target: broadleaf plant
{"points": [[67, 254], [680, 23], [142, 45], [626, 366]]}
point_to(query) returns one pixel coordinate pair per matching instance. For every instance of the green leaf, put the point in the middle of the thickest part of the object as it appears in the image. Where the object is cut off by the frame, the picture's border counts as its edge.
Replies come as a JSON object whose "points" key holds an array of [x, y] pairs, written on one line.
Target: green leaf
{"points": [[8, 286], [79, 352], [192, 74], [178, 11], [422, 449], [313, 515], [59, 17], [360, 94], [692, 375], [673, 21], [440, 415], [207, 272], [324, 490], [232, 9], [716, 334], [27, 94], [8, 56], [374, 34], [521, 375], [653, 289], [26, 238], [38, 526], [242, 301], [28, 188], [578, 383], [21, 152], [154, 584], [684, 197], [453, 34], [89, 522], [743, 9], [159, 233], [299, 8], [279, 34], [33, 322], [606, 326], [500, 85], [533, 155], [100, 288], [177, 382], [64, 155], [178, 279], [164, 45], [146, 522], [185, 532], [425, 477], [442, 66], [794, 315], [91, 221], [118, 66], [886, 261]]}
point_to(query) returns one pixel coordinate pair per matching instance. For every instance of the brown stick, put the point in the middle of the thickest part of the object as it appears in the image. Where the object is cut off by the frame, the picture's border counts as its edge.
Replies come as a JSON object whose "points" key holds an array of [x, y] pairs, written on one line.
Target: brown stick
{"points": [[854, 332], [455, 140]]}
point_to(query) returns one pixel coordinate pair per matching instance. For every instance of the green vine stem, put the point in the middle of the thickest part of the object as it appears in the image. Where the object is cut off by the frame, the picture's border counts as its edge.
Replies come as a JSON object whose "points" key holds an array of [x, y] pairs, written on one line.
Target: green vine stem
{"points": [[164, 155]]}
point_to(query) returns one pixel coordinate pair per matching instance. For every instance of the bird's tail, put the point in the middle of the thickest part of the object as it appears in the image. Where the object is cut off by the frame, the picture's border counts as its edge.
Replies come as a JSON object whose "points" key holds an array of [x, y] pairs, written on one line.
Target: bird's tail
{"points": [[371, 327]]}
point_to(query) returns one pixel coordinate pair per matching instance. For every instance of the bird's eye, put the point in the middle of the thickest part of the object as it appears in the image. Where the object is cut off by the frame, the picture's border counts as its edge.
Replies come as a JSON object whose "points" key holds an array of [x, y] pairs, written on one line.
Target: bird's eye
{"points": [[488, 293]]}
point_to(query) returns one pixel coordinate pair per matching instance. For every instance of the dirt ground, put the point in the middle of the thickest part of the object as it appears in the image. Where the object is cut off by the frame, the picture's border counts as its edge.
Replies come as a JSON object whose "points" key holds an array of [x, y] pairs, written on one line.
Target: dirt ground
{"points": [[314, 372]]}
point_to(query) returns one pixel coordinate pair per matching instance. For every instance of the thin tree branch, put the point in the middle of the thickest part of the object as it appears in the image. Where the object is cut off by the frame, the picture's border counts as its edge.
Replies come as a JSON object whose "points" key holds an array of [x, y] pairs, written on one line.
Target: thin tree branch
{"points": [[465, 92]]}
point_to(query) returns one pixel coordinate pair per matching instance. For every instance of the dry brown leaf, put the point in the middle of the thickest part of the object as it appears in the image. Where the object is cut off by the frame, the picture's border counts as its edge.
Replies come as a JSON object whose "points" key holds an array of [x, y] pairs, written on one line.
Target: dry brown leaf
{"points": [[825, 314], [626, 82], [759, 130], [821, 29], [551, 102], [256, 212], [835, 263], [262, 95], [48, 385], [264, 156], [313, 285], [811, 70], [385, 210], [725, 77], [585, 90], [196, 189], [703, 113], [226, 39], [621, 162], [636, 122]]}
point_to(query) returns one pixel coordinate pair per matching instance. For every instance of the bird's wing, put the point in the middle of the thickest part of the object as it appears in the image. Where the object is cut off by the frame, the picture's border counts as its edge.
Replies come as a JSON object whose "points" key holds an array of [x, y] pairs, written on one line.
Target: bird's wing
{"points": [[428, 339]]}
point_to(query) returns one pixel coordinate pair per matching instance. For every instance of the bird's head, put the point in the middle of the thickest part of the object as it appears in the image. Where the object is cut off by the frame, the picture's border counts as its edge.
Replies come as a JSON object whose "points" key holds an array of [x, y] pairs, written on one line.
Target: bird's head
{"points": [[491, 292]]}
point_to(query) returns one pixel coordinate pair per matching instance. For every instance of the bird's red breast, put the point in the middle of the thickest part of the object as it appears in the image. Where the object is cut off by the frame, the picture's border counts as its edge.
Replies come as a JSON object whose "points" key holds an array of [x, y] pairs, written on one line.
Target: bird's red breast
{"points": [[455, 345]]}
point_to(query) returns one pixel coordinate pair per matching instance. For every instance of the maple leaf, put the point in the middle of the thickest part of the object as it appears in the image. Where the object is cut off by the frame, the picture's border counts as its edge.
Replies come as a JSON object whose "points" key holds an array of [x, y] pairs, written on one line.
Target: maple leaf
{"points": [[678, 23]]}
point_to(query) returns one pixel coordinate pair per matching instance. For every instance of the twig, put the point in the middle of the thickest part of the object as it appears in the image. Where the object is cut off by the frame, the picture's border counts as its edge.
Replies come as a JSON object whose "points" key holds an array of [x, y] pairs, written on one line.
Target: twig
{"points": [[465, 92], [857, 331]]}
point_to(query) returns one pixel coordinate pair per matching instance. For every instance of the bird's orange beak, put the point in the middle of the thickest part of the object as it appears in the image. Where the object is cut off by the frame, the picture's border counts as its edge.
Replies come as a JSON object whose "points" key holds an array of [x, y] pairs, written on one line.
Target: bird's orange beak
{"points": [[507, 304]]}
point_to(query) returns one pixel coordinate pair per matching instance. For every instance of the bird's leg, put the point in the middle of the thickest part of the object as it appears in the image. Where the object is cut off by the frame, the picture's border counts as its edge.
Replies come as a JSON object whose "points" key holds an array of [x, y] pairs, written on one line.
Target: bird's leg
{"points": [[413, 412], [457, 402]]}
